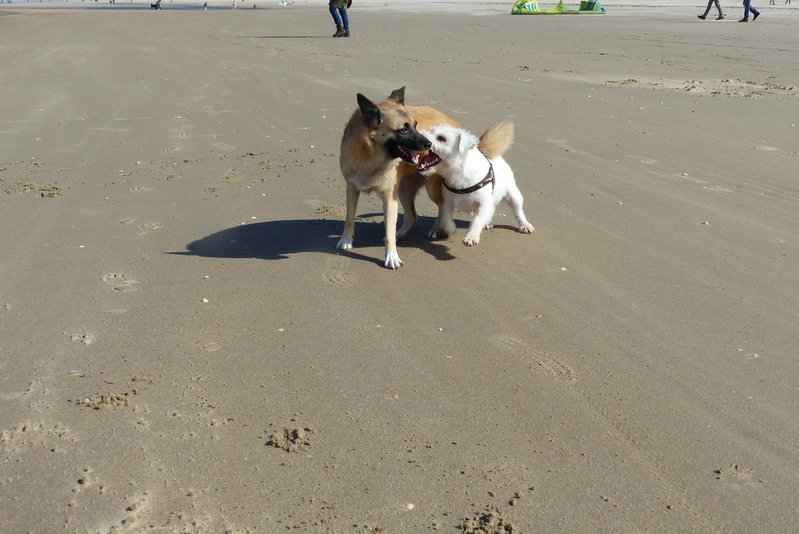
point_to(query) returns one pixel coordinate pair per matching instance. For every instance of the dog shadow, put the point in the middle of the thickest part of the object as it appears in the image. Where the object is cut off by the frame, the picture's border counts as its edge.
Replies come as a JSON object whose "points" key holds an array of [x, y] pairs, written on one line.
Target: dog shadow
{"points": [[286, 37], [279, 240]]}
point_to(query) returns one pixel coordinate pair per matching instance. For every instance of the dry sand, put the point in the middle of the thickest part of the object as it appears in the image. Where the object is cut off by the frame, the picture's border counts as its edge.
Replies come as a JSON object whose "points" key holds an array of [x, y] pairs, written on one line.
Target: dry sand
{"points": [[182, 350]]}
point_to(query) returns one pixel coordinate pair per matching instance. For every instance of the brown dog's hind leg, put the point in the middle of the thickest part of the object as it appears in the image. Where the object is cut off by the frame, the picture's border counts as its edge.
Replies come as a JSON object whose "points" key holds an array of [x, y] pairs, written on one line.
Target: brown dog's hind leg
{"points": [[353, 194]]}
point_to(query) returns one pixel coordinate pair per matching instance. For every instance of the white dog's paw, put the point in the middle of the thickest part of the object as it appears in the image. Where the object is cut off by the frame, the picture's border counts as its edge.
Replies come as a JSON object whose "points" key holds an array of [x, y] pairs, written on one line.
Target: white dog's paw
{"points": [[393, 260], [526, 229], [435, 233], [344, 243], [470, 240]]}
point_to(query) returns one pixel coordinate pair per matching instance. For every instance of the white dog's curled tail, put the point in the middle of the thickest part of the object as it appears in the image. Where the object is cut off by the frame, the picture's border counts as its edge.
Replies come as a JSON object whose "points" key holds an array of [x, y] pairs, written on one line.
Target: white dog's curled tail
{"points": [[497, 139]]}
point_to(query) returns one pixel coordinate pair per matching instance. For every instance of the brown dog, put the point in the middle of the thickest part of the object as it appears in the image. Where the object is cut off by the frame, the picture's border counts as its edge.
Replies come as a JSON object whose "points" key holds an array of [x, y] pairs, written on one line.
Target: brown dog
{"points": [[380, 151]]}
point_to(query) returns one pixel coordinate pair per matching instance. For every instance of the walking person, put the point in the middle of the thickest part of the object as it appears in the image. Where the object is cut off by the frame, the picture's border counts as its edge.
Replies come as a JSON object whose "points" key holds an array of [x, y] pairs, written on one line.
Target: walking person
{"points": [[709, 4], [338, 9], [748, 8]]}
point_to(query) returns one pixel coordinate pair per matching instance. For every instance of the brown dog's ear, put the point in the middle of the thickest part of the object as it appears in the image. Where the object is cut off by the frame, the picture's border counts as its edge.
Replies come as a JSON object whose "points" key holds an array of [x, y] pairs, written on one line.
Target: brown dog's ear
{"points": [[371, 115], [398, 95]]}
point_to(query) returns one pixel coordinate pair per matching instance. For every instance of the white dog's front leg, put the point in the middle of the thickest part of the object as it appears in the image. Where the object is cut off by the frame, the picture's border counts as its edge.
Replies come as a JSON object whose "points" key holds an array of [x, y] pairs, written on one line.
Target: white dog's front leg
{"points": [[345, 242]]}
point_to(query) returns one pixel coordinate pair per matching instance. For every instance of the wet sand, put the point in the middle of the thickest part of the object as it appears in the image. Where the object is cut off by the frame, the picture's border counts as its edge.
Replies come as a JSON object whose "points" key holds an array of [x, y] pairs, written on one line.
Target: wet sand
{"points": [[182, 349]]}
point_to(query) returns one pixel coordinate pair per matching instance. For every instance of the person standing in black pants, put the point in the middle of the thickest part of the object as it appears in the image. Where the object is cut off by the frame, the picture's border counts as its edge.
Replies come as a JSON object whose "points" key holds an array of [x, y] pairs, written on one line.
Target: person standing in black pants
{"points": [[709, 4]]}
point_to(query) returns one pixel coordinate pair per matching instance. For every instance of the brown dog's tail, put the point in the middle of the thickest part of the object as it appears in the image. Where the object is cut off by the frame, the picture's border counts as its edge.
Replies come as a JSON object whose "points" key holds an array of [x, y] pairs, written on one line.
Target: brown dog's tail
{"points": [[497, 139]]}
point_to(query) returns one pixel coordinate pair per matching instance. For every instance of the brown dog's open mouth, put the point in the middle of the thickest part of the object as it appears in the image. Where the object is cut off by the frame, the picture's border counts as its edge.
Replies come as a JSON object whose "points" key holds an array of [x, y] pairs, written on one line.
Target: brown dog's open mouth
{"points": [[430, 160], [408, 154]]}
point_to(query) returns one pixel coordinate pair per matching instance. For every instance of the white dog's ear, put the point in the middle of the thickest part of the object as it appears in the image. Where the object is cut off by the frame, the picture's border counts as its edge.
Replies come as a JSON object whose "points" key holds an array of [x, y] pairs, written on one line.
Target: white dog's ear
{"points": [[466, 142], [456, 139]]}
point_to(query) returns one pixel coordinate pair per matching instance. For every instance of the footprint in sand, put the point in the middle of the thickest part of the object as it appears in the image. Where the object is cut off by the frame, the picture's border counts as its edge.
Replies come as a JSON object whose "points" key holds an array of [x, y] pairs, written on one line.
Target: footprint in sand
{"points": [[562, 143], [553, 368], [134, 517], [643, 159], [509, 343], [737, 477], [717, 188], [334, 211], [85, 479], [25, 436], [17, 395], [146, 228], [546, 364], [127, 286], [119, 283], [336, 273], [766, 148], [223, 147], [181, 132], [339, 278], [85, 339]]}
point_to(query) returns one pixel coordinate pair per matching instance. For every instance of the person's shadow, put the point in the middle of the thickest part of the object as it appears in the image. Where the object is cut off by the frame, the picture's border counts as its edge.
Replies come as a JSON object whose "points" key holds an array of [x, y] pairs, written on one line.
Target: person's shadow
{"points": [[277, 240]]}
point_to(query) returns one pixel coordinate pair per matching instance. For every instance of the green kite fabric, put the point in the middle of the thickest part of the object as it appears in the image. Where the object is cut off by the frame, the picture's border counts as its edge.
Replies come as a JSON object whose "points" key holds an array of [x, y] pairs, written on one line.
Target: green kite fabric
{"points": [[530, 7], [591, 6], [525, 7], [561, 10]]}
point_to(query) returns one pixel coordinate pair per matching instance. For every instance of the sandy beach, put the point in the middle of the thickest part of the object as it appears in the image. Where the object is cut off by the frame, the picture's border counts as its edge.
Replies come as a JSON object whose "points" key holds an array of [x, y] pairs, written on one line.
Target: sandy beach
{"points": [[183, 350]]}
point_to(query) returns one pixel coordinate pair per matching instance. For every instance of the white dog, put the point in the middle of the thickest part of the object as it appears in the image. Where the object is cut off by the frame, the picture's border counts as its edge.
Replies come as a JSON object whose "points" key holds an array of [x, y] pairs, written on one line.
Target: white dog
{"points": [[476, 177]]}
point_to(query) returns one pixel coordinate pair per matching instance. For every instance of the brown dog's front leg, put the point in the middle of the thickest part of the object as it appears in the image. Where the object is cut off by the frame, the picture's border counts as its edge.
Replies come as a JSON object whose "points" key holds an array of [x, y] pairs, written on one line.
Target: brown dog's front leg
{"points": [[390, 208]]}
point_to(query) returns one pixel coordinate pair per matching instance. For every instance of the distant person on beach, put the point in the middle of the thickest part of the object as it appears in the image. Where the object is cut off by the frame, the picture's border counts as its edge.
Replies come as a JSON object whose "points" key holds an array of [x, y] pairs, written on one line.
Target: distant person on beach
{"points": [[709, 4], [747, 8], [338, 9]]}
